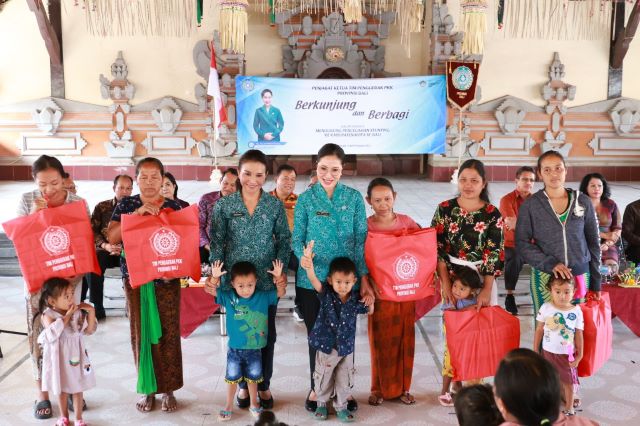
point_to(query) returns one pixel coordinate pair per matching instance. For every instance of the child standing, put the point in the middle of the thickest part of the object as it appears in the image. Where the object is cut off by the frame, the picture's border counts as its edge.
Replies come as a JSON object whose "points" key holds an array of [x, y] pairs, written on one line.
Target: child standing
{"points": [[559, 329], [66, 368], [247, 313], [465, 287], [334, 333]]}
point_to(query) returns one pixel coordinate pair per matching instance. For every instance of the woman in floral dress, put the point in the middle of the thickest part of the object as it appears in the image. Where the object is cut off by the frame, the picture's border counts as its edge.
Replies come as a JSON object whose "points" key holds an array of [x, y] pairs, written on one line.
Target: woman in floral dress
{"points": [[469, 233]]}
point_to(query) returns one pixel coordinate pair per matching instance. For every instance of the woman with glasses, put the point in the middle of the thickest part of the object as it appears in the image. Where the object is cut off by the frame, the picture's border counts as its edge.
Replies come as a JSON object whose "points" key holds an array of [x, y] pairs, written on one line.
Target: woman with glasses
{"points": [[333, 216]]}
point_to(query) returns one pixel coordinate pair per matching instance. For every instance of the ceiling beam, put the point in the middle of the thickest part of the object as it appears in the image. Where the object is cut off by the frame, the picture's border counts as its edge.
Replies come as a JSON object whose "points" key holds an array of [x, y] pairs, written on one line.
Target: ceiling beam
{"points": [[624, 36], [50, 27]]}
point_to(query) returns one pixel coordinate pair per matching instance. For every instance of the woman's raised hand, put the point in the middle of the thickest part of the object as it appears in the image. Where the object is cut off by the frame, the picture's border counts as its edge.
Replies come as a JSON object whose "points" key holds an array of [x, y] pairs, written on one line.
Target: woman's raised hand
{"points": [[39, 203], [307, 256]]}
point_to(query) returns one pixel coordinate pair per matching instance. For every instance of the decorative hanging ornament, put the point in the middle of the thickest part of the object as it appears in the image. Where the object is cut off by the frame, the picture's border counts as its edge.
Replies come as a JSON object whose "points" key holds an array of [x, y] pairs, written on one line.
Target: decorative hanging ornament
{"points": [[474, 17], [352, 10], [234, 24]]}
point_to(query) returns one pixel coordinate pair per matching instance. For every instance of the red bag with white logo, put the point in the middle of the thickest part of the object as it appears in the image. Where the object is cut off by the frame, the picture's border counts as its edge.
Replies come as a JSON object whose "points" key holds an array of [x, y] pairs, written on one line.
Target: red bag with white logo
{"points": [[478, 340], [598, 334], [162, 246], [402, 264], [53, 242]]}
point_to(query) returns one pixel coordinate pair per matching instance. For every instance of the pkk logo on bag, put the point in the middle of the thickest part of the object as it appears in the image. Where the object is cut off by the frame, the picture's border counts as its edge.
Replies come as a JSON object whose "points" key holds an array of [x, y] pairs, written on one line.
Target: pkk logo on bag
{"points": [[406, 266], [55, 240], [165, 242]]}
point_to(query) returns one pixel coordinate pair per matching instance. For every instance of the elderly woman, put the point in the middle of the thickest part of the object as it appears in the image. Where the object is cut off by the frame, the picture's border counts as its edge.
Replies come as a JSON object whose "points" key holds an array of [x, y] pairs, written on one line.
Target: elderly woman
{"points": [[333, 215], [251, 225], [48, 175], [167, 353], [609, 217]]}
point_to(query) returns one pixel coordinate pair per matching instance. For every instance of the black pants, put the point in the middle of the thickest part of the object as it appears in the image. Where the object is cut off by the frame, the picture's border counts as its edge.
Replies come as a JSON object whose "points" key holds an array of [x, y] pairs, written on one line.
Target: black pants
{"points": [[633, 254], [267, 352], [309, 306], [293, 266], [95, 283], [513, 263], [204, 255]]}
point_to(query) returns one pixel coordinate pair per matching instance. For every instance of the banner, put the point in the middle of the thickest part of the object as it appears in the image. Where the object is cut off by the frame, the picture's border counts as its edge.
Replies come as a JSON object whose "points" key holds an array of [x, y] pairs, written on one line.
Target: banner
{"points": [[286, 116], [53, 242], [162, 246], [462, 78], [402, 265]]}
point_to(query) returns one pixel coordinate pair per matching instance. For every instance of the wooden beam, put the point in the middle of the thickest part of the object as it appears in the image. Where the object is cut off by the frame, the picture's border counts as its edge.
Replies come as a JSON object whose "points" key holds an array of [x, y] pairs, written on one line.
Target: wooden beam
{"points": [[624, 36], [51, 31]]}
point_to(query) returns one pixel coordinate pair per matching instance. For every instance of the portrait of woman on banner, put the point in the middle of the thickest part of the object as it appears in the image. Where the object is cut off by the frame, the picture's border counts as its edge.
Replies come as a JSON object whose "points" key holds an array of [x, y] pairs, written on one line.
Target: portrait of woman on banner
{"points": [[267, 121]]}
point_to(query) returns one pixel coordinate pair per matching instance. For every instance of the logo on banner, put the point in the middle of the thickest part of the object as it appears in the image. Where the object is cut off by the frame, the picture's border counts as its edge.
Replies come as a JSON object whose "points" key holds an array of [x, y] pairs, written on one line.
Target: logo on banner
{"points": [[406, 266], [462, 78], [165, 242], [55, 240]]}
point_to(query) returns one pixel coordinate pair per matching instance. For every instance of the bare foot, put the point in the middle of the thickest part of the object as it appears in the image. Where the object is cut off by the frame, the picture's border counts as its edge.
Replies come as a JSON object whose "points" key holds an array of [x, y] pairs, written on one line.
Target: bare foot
{"points": [[169, 402], [146, 403]]}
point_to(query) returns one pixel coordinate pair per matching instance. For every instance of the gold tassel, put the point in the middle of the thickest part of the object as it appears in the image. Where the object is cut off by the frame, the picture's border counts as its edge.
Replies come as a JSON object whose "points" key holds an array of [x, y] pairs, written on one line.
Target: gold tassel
{"points": [[234, 24]]}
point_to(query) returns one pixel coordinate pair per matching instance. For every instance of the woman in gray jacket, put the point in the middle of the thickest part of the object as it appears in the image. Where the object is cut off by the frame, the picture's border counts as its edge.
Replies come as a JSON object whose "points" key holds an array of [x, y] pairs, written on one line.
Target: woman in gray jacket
{"points": [[557, 234]]}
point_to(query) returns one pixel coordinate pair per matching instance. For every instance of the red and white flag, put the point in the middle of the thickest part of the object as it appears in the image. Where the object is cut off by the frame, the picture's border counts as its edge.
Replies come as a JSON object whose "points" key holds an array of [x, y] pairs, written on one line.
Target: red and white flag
{"points": [[213, 90]]}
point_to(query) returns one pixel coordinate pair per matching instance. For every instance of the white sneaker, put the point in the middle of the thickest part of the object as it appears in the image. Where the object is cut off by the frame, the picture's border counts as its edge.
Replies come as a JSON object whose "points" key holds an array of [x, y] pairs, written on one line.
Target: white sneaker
{"points": [[297, 315]]}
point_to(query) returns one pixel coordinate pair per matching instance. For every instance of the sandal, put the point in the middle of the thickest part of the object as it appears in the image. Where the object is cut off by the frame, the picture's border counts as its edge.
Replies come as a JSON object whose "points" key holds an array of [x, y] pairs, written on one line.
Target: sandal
{"points": [[146, 403], [169, 403], [375, 400], [243, 402], [255, 412], [62, 421], [224, 415], [445, 400], [407, 399], [42, 409], [321, 413], [577, 402], [79, 423], [345, 416], [70, 403], [352, 405]]}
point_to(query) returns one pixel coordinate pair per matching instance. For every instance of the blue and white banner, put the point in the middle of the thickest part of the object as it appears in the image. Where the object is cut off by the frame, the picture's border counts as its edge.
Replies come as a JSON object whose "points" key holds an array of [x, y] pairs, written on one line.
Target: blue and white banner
{"points": [[285, 116]]}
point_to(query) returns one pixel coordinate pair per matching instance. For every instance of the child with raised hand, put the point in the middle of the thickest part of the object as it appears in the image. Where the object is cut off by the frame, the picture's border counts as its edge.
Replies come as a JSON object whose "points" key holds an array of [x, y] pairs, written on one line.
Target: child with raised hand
{"points": [[334, 333], [559, 329], [465, 287], [247, 314], [66, 368]]}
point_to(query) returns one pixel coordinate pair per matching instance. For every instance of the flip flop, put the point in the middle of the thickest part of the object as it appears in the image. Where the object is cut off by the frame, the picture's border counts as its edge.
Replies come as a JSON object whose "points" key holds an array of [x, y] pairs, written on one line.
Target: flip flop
{"points": [[321, 413], [42, 409], [407, 399], [345, 416], [169, 401], [255, 412], [224, 415], [375, 400], [445, 400], [148, 404]]}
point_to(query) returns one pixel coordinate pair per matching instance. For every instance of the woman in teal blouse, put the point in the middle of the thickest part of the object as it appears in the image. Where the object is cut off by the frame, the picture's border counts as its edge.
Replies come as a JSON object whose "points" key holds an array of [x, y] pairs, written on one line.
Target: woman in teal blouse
{"points": [[333, 215], [251, 225], [267, 121]]}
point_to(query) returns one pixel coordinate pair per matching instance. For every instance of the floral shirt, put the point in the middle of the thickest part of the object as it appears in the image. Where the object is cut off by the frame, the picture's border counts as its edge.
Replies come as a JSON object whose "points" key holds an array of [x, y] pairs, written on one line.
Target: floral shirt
{"points": [[100, 218], [338, 225], [471, 236], [127, 206], [259, 238]]}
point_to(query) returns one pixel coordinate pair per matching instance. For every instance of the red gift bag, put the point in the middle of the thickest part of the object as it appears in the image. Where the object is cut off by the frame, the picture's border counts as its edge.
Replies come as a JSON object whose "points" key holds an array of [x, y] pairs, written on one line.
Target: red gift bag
{"points": [[478, 340], [598, 335], [53, 242], [402, 264], [162, 246]]}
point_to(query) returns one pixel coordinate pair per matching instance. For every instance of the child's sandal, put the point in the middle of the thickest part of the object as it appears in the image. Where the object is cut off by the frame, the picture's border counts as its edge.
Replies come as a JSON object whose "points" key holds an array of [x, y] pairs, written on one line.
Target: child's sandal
{"points": [[62, 421], [224, 415], [345, 416], [445, 400], [80, 423], [321, 413], [255, 412]]}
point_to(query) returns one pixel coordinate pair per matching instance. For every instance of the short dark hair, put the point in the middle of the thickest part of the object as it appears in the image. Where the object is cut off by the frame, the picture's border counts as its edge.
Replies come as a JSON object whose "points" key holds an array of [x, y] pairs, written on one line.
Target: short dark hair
{"points": [[117, 178], [253, 155], [478, 166], [524, 169], [475, 405], [231, 171], [285, 168], [379, 181], [266, 91], [52, 287], [467, 276], [331, 149], [45, 162], [342, 264], [150, 160], [550, 153], [606, 189], [243, 269], [175, 184], [529, 387], [557, 280]]}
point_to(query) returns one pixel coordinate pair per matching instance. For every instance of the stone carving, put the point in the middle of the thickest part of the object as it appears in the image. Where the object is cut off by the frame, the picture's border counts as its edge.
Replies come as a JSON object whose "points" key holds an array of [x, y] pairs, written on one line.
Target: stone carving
{"points": [[556, 92], [119, 89], [167, 115], [442, 22], [625, 116], [445, 43], [58, 144], [120, 146], [510, 116], [468, 148], [47, 117]]}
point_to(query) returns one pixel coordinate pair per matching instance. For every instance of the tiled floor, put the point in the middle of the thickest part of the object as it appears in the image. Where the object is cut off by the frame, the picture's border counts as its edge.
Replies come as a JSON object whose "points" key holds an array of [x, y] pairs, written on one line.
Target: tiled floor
{"points": [[612, 397]]}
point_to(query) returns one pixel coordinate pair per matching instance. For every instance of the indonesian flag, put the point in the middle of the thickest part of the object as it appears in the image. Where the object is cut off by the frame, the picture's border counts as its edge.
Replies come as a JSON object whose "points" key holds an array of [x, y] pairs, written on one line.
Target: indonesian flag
{"points": [[220, 113]]}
